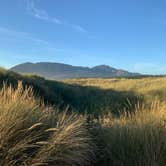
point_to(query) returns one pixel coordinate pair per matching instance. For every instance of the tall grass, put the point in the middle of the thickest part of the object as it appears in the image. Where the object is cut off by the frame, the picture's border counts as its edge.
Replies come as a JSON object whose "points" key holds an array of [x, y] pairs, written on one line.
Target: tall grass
{"points": [[32, 134], [134, 139], [149, 87]]}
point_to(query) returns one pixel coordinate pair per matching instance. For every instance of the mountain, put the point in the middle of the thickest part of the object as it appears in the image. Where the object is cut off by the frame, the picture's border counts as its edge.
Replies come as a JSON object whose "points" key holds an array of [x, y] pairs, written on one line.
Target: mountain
{"points": [[62, 71]]}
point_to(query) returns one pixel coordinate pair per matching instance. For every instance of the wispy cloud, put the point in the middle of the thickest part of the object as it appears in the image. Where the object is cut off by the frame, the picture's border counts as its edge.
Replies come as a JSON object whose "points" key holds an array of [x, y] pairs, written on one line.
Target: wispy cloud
{"points": [[10, 33], [150, 68], [40, 13], [13, 33], [24, 36], [77, 27], [43, 15]]}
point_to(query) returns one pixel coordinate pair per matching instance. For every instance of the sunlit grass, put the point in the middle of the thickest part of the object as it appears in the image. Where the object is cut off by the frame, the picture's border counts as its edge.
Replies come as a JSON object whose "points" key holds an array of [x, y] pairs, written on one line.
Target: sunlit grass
{"points": [[133, 139], [150, 87], [33, 134]]}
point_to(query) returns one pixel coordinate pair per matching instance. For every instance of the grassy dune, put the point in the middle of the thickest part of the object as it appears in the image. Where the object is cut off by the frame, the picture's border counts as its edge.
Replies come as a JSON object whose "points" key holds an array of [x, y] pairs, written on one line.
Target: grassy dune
{"points": [[148, 89], [92, 100], [37, 129], [144, 86]]}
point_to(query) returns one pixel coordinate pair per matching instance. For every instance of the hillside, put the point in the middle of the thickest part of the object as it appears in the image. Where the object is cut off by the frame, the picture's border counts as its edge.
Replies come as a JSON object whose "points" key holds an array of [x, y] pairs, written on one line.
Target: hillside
{"points": [[82, 99], [94, 96], [62, 71]]}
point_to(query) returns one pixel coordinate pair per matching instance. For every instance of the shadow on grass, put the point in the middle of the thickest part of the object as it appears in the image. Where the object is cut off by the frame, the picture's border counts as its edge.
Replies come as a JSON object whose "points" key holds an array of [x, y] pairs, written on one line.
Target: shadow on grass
{"points": [[91, 100]]}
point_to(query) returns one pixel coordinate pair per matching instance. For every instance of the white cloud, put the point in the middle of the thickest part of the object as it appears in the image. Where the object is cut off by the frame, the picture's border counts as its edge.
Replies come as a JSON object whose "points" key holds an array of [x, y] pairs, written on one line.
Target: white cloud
{"points": [[43, 15]]}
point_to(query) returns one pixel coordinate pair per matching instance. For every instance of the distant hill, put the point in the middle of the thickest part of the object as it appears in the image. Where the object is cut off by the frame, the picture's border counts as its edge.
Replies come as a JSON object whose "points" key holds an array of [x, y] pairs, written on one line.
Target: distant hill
{"points": [[62, 71]]}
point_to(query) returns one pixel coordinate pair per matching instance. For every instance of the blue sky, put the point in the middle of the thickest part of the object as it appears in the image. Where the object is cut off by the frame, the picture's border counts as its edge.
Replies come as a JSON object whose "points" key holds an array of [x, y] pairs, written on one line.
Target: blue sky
{"points": [[127, 34]]}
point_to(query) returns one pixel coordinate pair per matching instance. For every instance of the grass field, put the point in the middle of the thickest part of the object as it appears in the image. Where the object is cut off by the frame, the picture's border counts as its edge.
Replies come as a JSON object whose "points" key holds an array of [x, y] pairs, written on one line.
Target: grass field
{"points": [[147, 87], [98, 122]]}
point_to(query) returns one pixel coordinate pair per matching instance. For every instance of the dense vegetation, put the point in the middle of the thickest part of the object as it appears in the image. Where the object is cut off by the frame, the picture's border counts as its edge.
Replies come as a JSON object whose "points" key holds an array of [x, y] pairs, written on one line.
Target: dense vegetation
{"points": [[100, 122], [33, 134]]}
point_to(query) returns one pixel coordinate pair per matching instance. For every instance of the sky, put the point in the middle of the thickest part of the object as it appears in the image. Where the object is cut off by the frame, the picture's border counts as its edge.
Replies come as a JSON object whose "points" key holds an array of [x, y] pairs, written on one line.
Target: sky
{"points": [[126, 34]]}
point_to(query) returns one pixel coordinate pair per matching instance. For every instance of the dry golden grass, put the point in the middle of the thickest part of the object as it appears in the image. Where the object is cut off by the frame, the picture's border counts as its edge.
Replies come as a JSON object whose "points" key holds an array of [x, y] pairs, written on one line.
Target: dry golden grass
{"points": [[134, 139], [141, 85], [150, 88], [33, 134]]}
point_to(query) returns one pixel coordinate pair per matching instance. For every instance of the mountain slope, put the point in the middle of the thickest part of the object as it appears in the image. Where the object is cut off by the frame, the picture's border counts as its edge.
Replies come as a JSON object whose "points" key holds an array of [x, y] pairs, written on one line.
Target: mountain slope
{"points": [[62, 71]]}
